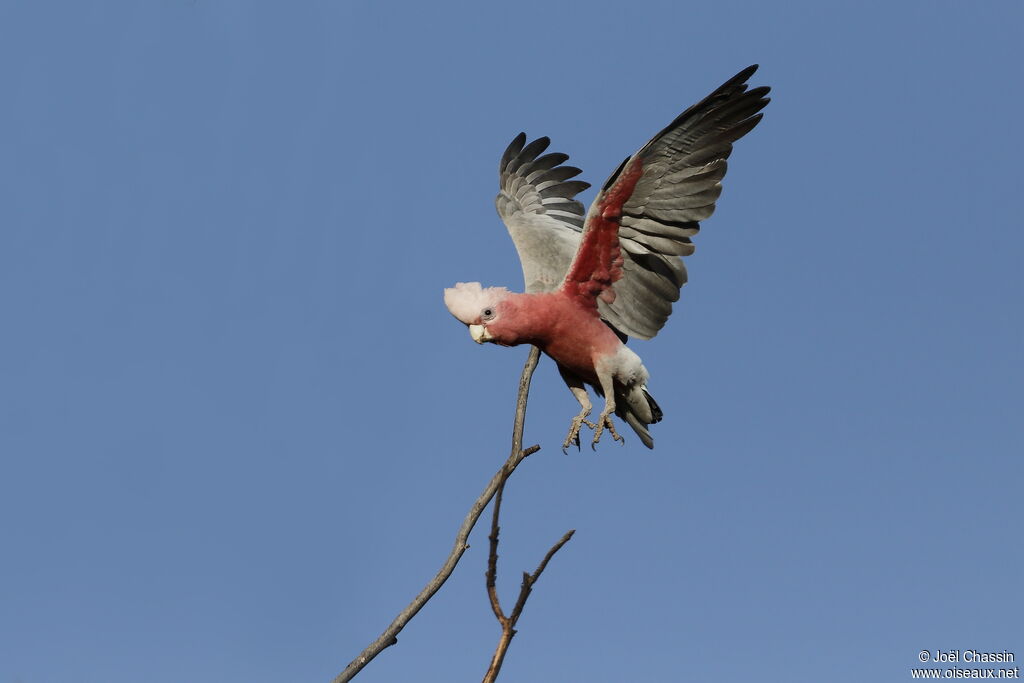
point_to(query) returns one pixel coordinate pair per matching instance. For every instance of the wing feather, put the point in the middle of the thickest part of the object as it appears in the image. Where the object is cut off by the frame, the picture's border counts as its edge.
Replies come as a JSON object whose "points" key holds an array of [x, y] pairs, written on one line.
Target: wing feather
{"points": [[653, 215], [538, 206], [684, 165]]}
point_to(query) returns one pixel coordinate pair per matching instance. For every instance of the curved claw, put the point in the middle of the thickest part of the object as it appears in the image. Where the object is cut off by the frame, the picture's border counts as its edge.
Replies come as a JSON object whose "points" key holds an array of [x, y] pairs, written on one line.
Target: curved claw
{"points": [[605, 421], [573, 437]]}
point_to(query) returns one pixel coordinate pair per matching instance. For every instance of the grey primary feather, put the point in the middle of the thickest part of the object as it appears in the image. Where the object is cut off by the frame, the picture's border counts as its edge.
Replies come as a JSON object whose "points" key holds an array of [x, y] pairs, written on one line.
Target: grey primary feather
{"points": [[537, 203], [683, 166]]}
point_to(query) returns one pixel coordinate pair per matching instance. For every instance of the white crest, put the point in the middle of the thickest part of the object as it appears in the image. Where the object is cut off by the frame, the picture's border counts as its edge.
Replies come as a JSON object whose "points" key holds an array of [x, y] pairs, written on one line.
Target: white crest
{"points": [[467, 299]]}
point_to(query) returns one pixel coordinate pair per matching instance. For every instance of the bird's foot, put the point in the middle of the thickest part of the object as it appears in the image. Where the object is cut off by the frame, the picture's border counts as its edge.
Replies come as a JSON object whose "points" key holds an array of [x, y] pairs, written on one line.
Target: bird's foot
{"points": [[605, 422], [573, 437]]}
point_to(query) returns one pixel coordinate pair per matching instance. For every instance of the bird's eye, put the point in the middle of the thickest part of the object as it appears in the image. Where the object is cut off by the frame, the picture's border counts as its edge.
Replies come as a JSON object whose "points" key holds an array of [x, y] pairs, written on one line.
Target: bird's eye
{"points": [[488, 313]]}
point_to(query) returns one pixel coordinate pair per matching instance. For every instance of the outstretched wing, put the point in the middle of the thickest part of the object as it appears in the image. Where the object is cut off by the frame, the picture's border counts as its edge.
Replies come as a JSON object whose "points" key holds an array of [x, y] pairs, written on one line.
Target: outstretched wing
{"points": [[537, 204], [641, 221]]}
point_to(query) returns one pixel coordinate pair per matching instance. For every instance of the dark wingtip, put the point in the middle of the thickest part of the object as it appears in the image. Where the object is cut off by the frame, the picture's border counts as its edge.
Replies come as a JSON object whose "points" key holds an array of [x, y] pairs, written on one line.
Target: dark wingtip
{"points": [[614, 176], [512, 151], [739, 79], [534, 149]]}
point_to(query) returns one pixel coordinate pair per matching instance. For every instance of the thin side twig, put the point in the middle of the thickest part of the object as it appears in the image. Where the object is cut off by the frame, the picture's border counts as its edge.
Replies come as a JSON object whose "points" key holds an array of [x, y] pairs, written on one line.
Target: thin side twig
{"points": [[492, 557], [390, 635], [530, 579], [508, 624]]}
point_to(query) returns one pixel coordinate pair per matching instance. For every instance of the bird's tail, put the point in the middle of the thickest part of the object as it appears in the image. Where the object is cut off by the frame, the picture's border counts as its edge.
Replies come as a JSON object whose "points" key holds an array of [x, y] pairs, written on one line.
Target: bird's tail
{"points": [[639, 409]]}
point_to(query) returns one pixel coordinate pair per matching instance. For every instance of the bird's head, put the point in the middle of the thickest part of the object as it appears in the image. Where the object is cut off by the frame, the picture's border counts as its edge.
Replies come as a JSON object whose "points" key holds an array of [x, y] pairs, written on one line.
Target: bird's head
{"points": [[478, 307]]}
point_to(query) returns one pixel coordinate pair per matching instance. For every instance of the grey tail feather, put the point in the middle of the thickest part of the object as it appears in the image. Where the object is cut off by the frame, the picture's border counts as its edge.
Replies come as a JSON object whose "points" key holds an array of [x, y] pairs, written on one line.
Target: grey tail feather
{"points": [[639, 428], [655, 408], [623, 410]]}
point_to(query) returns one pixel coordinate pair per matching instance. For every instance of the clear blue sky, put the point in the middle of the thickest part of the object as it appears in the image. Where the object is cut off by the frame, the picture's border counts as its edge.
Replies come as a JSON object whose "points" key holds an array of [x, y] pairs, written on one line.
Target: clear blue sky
{"points": [[238, 429]]}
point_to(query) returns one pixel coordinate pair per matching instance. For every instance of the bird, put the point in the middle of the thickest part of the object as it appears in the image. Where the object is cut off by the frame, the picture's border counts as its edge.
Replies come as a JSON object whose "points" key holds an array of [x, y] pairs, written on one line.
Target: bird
{"points": [[595, 279]]}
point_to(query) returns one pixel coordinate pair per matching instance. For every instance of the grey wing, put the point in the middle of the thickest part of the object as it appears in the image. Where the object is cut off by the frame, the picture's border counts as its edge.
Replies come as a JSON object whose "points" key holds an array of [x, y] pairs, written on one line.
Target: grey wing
{"points": [[683, 167], [537, 205]]}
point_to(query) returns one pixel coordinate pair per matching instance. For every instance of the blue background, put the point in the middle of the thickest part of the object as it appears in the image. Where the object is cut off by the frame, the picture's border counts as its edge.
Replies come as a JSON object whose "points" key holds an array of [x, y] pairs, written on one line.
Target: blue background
{"points": [[239, 429]]}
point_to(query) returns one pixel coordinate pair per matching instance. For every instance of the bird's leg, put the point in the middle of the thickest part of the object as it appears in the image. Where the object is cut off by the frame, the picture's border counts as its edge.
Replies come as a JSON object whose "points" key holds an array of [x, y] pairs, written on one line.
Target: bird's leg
{"points": [[573, 437], [605, 418], [575, 385]]}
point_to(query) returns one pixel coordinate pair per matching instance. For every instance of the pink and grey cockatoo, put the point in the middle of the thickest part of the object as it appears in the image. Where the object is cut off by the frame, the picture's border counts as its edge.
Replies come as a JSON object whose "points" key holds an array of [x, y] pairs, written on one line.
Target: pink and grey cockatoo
{"points": [[595, 279]]}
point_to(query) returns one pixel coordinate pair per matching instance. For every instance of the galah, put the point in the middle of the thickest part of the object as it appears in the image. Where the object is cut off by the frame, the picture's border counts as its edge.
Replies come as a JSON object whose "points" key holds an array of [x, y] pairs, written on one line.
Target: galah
{"points": [[595, 279]]}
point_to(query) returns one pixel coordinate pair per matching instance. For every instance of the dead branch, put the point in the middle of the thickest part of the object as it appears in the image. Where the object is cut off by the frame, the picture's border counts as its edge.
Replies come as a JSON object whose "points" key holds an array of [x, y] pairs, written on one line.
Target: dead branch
{"points": [[390, 635], [508, 623]]}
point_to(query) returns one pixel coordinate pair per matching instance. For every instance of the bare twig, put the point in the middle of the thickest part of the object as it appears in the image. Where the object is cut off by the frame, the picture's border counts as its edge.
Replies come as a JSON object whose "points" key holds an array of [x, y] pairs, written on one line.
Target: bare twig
{"points": [[492, 557], [508, 623], [390, 635], [530, 579]]}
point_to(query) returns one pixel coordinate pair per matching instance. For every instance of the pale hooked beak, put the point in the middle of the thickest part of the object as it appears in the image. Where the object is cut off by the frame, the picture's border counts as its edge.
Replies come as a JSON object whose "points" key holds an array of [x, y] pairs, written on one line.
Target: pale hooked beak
{"points": [[479, 334]]}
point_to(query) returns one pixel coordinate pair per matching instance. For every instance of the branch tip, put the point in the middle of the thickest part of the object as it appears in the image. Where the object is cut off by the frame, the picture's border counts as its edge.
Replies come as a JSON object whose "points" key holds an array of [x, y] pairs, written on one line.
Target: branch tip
{"points": [[390, 635], [508, 623]]}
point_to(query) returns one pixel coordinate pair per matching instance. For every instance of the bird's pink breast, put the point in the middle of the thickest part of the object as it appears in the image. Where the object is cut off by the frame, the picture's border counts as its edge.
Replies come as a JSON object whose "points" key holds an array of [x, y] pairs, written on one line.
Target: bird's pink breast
{"points": [[568, 332]]}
